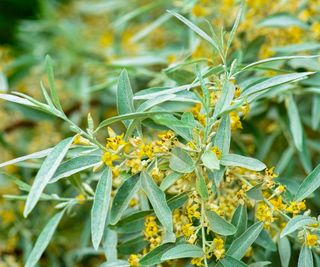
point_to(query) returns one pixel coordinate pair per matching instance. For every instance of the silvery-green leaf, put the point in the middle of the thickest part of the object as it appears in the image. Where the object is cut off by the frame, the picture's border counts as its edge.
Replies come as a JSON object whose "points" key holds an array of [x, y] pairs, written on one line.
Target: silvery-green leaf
{"points": [[260, 264], [100, 206], [117, 263], [309, 184], [239, 246], [242, 161], [201, 185], [282, 20], [123, 196], [210, 160], [239, 220], [46, 172], [295, 122], [229, 261], [265, 241], [196, 29], [219, 225], [43, 240], [180, 161], [305, 257], [255, 192], [182, 251], [295, 223], [158, 201], [52, 85], [36, 155], [284, 251], [274, 81], [110, 243], [155, 101], [16, 99], [225, 98], [170, 180], [315, 112], [124, 95], [75, 165], [154, 256]]}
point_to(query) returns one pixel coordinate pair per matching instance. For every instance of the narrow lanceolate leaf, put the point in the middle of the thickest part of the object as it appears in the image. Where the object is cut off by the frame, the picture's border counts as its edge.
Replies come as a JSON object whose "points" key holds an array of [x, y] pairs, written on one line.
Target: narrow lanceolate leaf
{"points": [[16, 99], [239, 220], [124, 95], [180, 161], [201, 186], [154, 256], [229, 261], [309, 185], [225, 99], [123, 197], [315, 112], [284, 251], [47, 170], [305, 257], [75, 165], [296, 223], [235, 26], [295, 122], [196, 29], [43, 240], [52, 85], [210, 160], [170, 180], [158, 201], [100, 207], [239, 246], [242, 161], [274, 81], [182, 251], [36, 155], [219, 225], [223, 135]]}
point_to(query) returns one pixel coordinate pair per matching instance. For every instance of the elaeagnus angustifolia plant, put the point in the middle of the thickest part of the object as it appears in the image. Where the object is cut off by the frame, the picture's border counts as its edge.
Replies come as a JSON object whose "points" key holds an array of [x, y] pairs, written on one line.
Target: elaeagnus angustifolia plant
{"points": [[175, 187]]}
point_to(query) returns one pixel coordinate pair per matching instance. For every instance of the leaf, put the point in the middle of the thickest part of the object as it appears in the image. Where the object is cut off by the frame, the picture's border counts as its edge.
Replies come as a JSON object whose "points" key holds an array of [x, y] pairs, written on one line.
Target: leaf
{"points": [[260, 264], [180, 161], [242, 161], [155, 101], [74, 165], [117, 263], [305, 257], [296, 223], [210, 160], [158, 201], [225, 98], [295, 123], [45, 173], [36, 155], [124, 96], [255, 192], [201, 186], [131, 246], [315, 121], [169, 180], [154, 256], [309, 185], [123, 196], [235, 26], [136, 115], [43, 240], [239, 220], [282, 21], [182, 251], [274, 81], [196, 29], [219, 225], [284, 251], [265, 241], [100, 207], [229, 261], [52, 85], [16, 99], [239, 246]]}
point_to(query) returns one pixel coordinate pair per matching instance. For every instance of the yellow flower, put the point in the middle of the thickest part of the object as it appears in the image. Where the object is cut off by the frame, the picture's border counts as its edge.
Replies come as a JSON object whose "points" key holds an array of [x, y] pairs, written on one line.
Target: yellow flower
{"points": [[133, 260], [116, 171], [8, 216], [296, 207], [311, 240], [79, 140], [135, 165], [108, 158], [235, 121], [81, 199], [218, 250], [217, 152], [199, 11], [115, 142], [151, 227], [237, 91], [145, 150], [264, 214], [197, 261], [192, 212], [188, 229], [270, 172], [157, 174]]}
